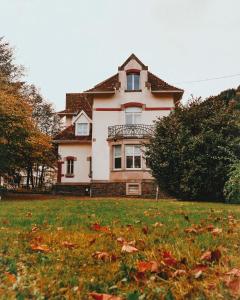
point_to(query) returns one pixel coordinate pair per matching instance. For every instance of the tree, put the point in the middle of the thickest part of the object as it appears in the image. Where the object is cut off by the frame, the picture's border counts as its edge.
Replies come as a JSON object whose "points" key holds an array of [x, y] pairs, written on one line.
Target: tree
{"points": [[194, 147], [27, 122]]}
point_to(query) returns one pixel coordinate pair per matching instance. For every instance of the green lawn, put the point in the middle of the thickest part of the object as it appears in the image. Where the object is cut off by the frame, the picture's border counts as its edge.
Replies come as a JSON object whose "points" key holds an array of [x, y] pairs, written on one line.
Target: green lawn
{"points": [[51, 249]]}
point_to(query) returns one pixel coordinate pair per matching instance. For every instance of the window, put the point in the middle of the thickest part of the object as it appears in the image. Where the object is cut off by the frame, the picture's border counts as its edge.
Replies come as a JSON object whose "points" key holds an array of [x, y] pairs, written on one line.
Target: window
{"points": [[133, 115], [82, 129], [70, 166], [133, 157], [117, 157], [133, 189], [133, 81]]}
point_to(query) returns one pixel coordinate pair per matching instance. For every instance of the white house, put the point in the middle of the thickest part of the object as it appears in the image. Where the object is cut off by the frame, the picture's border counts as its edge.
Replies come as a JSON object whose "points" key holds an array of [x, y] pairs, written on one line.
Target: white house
{"points": [[101, 148]]}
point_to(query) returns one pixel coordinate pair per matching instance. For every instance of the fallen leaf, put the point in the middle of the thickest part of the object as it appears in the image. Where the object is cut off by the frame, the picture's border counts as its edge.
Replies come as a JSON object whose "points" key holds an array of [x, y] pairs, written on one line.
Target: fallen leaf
{"points": [[41, 248], [234, 286], [144, 266], [145, 229], [179, 273], [234, 272], [128, 248], [169, 259], [104, 256], [11, 277], [98, 227], [97, 296], [211, 256]]}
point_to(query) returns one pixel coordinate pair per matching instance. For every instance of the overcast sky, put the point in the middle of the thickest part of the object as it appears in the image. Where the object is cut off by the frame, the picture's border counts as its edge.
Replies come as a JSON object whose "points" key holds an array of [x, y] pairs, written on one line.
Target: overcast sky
{"points": [[71, 45]]}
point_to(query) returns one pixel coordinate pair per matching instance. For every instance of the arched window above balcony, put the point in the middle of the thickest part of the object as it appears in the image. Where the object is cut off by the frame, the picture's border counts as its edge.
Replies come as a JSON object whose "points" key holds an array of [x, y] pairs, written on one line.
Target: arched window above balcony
{"points": [[133, 115]]}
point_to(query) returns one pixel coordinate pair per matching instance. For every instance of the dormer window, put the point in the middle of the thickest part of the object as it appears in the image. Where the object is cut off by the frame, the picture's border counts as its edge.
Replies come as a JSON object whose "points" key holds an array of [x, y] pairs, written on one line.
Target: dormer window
{"points": [[133, 81], [82, 129]]}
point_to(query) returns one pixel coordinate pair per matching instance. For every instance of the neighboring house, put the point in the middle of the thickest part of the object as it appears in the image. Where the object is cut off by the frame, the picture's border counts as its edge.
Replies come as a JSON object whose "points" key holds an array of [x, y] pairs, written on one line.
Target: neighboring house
{"points": [[101, 148]]}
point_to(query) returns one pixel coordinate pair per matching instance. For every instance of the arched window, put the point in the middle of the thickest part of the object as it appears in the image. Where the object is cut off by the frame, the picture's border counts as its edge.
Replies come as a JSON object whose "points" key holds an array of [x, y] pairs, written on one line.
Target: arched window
{"points": [[133, 115]]}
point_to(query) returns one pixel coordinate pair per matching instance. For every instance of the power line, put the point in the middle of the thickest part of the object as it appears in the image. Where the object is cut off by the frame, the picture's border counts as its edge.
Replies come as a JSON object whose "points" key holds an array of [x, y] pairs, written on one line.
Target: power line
{"points": [[208, 79]]}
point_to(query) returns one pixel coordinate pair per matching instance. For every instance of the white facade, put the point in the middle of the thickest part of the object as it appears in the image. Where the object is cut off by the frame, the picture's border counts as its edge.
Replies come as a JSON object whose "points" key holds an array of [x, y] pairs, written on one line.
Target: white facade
{"points": [[93, 157]]}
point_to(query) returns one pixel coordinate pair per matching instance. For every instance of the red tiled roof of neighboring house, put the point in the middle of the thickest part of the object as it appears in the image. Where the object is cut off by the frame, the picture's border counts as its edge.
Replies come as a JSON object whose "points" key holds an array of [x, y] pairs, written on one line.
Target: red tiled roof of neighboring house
{"points": [[108, 85], [76, 102], [69, 134], [158, 84]]}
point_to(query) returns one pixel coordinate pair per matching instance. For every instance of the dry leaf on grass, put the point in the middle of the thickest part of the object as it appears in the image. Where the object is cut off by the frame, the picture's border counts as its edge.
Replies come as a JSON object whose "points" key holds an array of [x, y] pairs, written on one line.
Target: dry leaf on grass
{"points": [[144, 266], [97, 296], [69, 245], [40, 248], [128, 248]]}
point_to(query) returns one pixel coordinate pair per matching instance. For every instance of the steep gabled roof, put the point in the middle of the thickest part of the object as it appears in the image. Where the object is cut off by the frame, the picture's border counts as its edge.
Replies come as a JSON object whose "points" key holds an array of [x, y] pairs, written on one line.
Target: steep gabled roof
{"points": [[158, 84], [76, 102], [69, 135], [132, 56], [108, 85]]}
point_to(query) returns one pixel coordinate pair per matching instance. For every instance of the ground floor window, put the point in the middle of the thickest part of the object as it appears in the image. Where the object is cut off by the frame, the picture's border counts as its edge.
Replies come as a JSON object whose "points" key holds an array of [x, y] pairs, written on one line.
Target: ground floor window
{"points": [[117, 157], [133, 157], [70, 167]]}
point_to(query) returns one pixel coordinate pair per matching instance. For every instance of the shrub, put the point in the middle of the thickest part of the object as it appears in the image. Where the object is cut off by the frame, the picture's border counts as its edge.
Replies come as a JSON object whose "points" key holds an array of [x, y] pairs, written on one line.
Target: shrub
{"points": [[193, 148], [232, 186]]}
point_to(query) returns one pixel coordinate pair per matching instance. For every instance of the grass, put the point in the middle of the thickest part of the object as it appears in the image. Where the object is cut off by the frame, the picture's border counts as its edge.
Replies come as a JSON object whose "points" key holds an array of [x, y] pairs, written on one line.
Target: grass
{"points": [[49, 249]]}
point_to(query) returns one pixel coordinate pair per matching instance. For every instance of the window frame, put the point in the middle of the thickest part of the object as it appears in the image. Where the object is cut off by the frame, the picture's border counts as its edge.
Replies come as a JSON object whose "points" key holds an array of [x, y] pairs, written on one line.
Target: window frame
{"points": [[70, 167], [115, 157], [133, 114], [132, 81], [87, 128], [133, 157]]}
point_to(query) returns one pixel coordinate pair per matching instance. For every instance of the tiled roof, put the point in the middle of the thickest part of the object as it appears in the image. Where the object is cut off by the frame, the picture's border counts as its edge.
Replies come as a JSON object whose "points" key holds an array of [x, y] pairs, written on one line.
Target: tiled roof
{"points": [[76, 102], [158, 84], [108, 85], [69, 134]]}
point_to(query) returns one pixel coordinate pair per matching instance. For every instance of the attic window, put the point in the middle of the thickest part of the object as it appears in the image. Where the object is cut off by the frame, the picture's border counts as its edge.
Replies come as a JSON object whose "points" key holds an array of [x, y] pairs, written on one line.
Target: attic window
{"points": [[133, 81], [82, 129]]}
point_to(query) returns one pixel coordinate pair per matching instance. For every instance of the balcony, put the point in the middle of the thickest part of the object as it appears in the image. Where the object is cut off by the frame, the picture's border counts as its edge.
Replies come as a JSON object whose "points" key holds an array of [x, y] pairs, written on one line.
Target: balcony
{"points": [[138, 131]]}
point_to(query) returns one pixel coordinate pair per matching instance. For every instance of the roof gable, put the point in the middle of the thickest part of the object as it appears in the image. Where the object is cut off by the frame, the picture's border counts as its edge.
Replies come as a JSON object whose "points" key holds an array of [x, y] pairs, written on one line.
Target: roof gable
{"points": [[132, 56]]}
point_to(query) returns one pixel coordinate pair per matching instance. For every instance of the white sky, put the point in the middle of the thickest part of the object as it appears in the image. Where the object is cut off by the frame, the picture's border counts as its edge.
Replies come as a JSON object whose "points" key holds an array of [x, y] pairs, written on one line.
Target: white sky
{"points": [[71, 45]]}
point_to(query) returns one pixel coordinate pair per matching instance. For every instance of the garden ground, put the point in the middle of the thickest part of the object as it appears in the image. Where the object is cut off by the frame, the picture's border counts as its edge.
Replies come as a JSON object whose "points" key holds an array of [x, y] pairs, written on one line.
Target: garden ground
{"points": [[68, 248]]}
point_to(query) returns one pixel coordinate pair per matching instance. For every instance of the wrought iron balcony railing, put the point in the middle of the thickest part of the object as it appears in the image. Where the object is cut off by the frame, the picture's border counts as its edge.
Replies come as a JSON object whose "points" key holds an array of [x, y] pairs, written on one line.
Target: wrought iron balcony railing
{"points": [[130, 131]]}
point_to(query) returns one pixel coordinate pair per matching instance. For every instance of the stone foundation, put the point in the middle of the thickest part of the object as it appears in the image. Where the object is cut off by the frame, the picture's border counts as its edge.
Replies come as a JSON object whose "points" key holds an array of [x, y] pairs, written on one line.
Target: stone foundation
{"points": [[72, 189], [108, 189]]}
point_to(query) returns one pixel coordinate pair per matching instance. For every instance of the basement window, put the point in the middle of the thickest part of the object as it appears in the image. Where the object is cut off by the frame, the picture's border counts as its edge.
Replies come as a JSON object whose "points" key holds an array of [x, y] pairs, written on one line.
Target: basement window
{"points": [[133, 189]]}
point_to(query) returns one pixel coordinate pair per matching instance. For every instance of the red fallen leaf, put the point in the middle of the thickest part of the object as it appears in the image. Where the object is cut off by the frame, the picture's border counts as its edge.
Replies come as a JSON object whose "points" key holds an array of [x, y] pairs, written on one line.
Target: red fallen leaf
{"points": [[144, 266], [179, 273], [98, 227], [97, 296], [69, 245], [234, 272], [11, 277], [211, 255], [128, 248], [234, 286], [169, 259], [41, 248], [145, 229]]}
